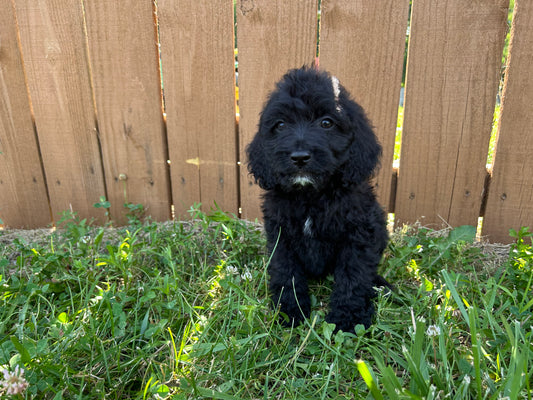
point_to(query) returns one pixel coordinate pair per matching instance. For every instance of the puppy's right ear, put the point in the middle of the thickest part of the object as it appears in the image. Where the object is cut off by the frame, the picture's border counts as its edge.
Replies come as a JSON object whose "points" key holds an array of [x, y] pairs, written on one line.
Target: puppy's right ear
{"points": [[258, 164]]}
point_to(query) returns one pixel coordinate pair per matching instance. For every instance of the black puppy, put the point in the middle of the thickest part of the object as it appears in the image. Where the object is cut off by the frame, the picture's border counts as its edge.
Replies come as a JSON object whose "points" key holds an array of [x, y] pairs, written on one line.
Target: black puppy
{"points": [[314, 153]]}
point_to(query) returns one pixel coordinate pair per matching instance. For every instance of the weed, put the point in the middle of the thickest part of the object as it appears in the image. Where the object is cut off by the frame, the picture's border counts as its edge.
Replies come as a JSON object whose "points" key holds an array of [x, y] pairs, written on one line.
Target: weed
{"points": [[106, 205]]}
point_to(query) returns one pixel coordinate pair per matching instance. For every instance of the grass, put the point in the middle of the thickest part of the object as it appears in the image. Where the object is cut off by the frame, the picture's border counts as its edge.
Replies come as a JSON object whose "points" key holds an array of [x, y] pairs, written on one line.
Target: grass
{"points": [[180, 310]]}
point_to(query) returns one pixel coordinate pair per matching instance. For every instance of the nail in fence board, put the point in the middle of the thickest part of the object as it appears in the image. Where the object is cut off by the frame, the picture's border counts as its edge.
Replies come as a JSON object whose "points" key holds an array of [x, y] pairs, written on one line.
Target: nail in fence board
{"points": [[125, 71], [453, 73], [363, 43], [55, 60], [23, 199], [510, 200], [273, 36], [199, 88]]}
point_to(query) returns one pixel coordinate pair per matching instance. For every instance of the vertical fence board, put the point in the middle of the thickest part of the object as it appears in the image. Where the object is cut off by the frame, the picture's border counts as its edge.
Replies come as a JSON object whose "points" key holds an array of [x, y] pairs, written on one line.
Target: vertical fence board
{"points": [[272, 36], [23, 199], [452, 79], [55, 60], [199, 86], [453, 71], [363, 43], [510, 200], [125, 71]]}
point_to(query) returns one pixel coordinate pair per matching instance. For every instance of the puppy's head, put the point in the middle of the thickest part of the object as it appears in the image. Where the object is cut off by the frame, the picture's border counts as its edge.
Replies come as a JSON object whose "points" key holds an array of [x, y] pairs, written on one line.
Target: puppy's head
{"points": [[310, 133]]}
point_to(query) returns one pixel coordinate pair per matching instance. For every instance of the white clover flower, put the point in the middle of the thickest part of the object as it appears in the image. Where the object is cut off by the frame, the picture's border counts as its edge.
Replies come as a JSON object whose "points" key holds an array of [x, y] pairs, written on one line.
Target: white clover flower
{"points": [[232, 270], [202, 321], [13, 382], [433, 330], [247, 276], [85, 239]]}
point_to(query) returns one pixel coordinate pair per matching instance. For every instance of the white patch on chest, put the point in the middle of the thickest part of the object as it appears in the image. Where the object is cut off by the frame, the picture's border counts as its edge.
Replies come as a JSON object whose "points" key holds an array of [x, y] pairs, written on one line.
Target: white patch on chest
{"points": [[302, 180], [308, 227]]}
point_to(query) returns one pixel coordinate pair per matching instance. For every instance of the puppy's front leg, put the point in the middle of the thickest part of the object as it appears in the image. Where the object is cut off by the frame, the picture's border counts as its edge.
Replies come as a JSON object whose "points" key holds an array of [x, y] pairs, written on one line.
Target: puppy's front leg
{"points": [[351, 300], [288, 285]]}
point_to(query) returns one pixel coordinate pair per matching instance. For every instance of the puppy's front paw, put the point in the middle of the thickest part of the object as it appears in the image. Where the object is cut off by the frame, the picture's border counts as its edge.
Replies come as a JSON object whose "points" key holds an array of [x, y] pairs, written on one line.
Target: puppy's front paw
{"points": [[347, 323], [294, 313], [290, 320]]}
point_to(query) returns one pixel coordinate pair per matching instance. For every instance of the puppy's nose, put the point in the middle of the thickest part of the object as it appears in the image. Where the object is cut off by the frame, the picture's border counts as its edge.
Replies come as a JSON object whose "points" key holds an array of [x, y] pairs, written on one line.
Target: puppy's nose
{"points": [[300, 158]]}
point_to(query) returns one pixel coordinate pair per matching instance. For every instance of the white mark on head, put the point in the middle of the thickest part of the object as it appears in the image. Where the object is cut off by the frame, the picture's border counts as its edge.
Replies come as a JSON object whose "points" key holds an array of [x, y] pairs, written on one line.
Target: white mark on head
{"points": [[308, 227], [336, 91]]}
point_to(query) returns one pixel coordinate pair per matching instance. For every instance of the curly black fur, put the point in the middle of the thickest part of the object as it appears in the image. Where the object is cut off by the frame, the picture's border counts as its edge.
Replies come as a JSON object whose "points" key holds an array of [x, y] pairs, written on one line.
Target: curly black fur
{"points": [[314, 153]]}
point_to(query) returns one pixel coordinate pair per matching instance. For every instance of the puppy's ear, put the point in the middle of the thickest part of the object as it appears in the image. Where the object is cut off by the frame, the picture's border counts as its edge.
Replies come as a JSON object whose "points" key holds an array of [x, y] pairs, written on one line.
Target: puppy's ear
{"points": [[365, 150], [257, 163]]}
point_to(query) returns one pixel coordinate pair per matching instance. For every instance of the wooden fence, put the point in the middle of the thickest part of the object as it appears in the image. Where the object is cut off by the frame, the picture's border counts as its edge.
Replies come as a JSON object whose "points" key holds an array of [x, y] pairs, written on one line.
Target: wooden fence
{"points": [[135, 100]]}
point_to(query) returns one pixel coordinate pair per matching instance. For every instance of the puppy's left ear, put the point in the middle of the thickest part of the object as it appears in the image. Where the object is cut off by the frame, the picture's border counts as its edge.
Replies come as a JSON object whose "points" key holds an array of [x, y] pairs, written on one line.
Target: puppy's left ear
{"points": [[365, 151]]}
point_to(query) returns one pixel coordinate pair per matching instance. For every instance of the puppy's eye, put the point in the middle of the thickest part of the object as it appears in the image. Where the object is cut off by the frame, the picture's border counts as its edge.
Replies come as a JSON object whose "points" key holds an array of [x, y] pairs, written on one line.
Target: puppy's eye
{"points": [[326, 123], [280, 125]]}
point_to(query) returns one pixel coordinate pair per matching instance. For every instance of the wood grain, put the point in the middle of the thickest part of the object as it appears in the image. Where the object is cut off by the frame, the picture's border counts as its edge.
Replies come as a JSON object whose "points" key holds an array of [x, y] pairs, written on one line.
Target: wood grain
{"points": [[510, 200], [199, 86], [453, 73], [125, 71], [363, 43], [273, 36], [23, 197], [55, 60]]}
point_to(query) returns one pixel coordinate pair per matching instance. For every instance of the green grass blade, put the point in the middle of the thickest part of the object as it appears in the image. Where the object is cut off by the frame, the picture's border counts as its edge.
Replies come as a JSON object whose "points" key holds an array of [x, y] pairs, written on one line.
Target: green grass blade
{"points": [[391, 383], [419, 342], [517, 369], [24, 354], [418, 383], [369, 379], [212, 394], [458, 299], [476, 349]]}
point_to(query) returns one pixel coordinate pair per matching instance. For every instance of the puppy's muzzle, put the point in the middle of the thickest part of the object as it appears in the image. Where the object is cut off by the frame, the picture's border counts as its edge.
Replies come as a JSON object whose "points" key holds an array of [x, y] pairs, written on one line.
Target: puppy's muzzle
{"points": [[300, 158]]}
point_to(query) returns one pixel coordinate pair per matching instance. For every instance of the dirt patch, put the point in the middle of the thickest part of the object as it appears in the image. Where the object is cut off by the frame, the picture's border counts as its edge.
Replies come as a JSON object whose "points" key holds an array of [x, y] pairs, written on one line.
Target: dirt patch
{"points": [[37, 236]]}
